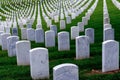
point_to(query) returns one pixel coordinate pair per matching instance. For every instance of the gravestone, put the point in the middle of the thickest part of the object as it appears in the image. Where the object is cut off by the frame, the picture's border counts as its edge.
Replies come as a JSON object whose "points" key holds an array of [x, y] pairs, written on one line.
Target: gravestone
{"points": [[49, 22], [38, 26], [63, 41], [108, 34], [2, 28], [62, 16], [73, 16], [74, 32], [68, 19], [65, 71], [106, 26], [21, 25], [62, 24], [31, 34], [110, 55], [90, 33], [54, 28], [29, 25], [66, 13], [50, 38], [14, 31], [24, 33], [4, 40], [56, 18], [82, 47], [7, 29], [83, 20], [81, 26], [11, 45], [22, 52], [0, 37], [39, 35], [39, 63], [106, 20]]}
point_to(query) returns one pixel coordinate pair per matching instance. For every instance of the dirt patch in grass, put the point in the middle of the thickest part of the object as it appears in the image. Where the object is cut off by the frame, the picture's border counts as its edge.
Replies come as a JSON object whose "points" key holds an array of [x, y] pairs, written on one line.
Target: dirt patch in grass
{"points": [[93, 72]]}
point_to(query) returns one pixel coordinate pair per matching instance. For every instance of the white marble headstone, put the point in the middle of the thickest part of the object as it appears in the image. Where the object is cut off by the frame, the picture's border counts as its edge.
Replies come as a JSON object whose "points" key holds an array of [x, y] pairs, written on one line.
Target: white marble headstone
{"points": [[90, 33], [62, 24], [38, 26], [106, 20], [4, 40], [31, 34], [22, 52], [7, 29], [39, 63], [50, 38], [74, 32], [61, 16], [29, 25], [110, 55], [108, 34], [56, 18], [39, 35], [82, 47], [0, 37], [81, 26], [23, 33], [21, 25], [54, 28], [68, 19], [73, 15], [63, 41], [66, 71], [11, 45], [107, 26], [84, 20], [14, 31], [2, 28]]}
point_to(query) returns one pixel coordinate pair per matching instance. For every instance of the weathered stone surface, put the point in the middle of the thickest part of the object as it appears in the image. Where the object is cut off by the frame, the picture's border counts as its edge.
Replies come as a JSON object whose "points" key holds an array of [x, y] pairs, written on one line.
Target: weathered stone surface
{"points": [[90, 33], [4, 40], [11, 45], [31, 34], [106, 26], [0, 37], [54, 28], [82, 47], [65, 71], [81, 26], [74, 32], [108, 34], [68, 19], [24, 33], [50, 38], [38, 26], [63, 41], [110, 55], [14, 31], [62, 24], [7, 29], [39, 63], [29, 25], [22, 52], [39, 35]]}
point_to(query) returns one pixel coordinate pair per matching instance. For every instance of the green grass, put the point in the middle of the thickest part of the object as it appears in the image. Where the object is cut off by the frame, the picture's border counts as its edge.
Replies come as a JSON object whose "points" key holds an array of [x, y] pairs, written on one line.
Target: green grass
{"points": [[10, 71]]}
